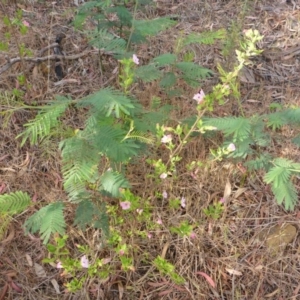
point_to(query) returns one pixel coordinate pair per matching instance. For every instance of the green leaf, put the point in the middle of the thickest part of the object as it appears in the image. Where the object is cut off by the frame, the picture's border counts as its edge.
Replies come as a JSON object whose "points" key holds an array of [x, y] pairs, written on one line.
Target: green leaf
{"points": [[123, 14], [148, 73], [101, 220], [165, 59], [112, 182], [208, 37], [14, 203], [41, 126], [238, 128], [287, 194], [278, 176], [262, 161], [154, 26], [193, 73], [108, 101], [276, 120], [168, 80], [110, 141], [80, 160], [84, 214], [102, 39], [48, 220]]}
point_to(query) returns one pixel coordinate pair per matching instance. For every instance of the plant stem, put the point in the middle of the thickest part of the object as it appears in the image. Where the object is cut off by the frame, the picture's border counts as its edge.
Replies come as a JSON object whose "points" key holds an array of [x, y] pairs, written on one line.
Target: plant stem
{"points": [[132, 26], [179, 147]]}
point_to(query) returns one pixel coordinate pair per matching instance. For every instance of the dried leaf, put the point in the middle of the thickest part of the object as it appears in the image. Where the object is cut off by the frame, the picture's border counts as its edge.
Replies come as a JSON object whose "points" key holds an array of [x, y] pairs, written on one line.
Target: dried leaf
{"points": [[35, 72], [227, 191], [106, 260], [10, 274], [121, 290], [29, 260], [273, 293], [164, 293], [16, 287], [10, 236], [3, 292], [208, 278], [233, 272], [55, 285], [156, 284], [39, 271], [239, 192]]}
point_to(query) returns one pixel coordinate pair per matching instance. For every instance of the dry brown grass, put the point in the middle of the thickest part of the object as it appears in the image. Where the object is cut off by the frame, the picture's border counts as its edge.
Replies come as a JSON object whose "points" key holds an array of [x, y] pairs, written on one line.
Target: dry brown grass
{"points": [[230, 243]]}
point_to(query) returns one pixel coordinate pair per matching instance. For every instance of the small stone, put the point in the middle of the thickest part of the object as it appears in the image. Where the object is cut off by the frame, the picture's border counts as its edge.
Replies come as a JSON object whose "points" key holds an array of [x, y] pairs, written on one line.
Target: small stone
{"points": [[278, 237]]}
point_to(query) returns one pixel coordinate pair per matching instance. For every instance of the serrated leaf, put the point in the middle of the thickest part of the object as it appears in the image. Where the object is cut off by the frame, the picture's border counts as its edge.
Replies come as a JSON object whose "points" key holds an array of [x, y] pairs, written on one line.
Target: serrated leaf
{"points": [[14, 203], [154, 26], [193, 73], [84, 214], [148, 73], [287, 194], [208, 37], [165, 59], [112, 182], [48, 220], [168, 80]]}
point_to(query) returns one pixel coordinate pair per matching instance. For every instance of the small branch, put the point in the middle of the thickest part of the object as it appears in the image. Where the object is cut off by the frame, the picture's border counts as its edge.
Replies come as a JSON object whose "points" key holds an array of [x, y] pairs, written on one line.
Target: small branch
{"points": [[12, 61]]}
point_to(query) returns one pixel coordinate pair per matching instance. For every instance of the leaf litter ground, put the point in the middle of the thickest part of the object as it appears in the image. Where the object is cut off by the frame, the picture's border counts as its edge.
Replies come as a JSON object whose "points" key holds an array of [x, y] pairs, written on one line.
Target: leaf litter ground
{"points": [[240, 251]]}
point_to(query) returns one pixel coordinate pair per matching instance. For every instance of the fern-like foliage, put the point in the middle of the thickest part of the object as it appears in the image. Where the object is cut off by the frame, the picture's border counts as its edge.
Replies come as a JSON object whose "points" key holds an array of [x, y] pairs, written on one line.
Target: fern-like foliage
{"points": [[154, 26], [208, 37], [238, 128], [168, 81], [112, 182], [14, 203], [192, 73], [148, 120], [287, 116], [261, 161], [279, 176], [90, 214], [108, 101], [48, 220], [48, 118], [80, 162], [109, 140], [106, 41], [123, 14], [165, 59], [148, 73]]}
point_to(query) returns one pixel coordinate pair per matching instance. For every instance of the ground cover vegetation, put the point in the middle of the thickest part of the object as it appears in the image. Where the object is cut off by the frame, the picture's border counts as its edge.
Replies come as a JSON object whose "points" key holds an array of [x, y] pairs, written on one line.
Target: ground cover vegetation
{"points": [[139, 163]]}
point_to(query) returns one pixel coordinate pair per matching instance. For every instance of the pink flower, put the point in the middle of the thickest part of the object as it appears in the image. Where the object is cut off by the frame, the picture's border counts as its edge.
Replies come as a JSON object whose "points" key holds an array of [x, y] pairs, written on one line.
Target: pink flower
{"points": [[163, 176], [25, 23], [222, 200], [121, 252], [193, 235], [59, 265], [125, 205], [166, 139], [84, 261], [183, 202], [231, 147], [149, 235], [159, 221], [135, 59], [199, 97], [164, 194]]}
